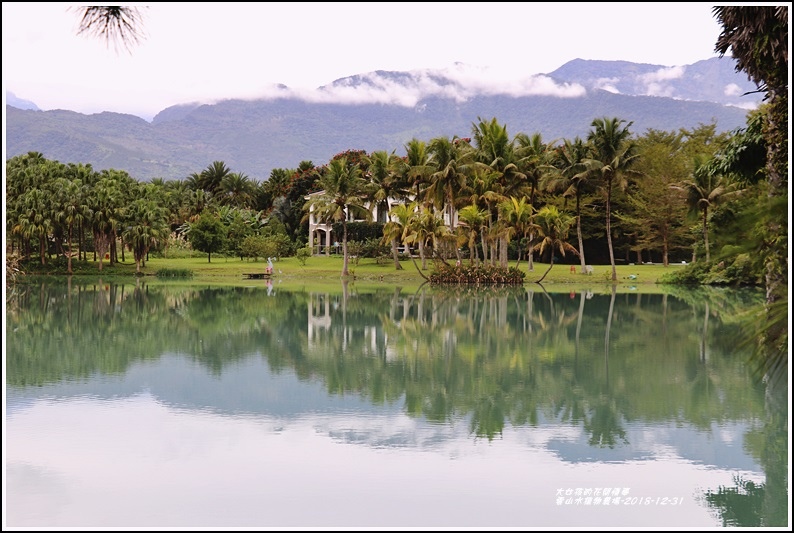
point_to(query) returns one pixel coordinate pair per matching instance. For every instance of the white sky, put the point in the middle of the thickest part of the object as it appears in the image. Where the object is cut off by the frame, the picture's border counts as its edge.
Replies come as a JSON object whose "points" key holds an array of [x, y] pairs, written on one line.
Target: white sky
{"points": [[204, 51]]}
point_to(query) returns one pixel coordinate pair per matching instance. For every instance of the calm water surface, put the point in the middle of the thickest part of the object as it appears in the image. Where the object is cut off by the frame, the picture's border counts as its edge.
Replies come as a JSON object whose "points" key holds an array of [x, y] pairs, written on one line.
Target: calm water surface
{"points": [[156, 405]]}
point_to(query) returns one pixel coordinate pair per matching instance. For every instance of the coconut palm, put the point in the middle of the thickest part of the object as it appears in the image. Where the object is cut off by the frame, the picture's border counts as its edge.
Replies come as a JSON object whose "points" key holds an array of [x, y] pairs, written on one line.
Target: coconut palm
{"points": [[552, 227], [471, 221], [517, 213], [415, 167], [343, 195], [571, 178], [495, 150], [612, 155], [704, 190], [451, 160], [424, 228], [394, 229]]}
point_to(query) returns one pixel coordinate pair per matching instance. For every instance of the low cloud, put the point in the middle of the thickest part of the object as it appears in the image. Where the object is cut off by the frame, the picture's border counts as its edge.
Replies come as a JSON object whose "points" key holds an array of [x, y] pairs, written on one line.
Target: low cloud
{"points": [[657, 83], [607, 84], [459, 83]]}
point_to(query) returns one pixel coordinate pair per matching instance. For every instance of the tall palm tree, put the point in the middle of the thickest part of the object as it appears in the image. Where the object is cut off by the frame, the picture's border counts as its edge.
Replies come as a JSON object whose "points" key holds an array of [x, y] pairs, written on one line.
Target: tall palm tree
{"points": [[451, 160], [704, 190], [553, 226], [416, 167], [145, 227], [532, 155], [496, 150], [613, 153], [105, 203], [571, 178], [483, 190], [34, 220], [72, 210], [343, 195]]}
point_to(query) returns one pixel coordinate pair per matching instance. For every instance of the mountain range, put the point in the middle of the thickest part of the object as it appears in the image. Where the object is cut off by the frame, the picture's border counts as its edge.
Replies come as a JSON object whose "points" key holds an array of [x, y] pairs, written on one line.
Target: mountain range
{"points": [[383, 110]]}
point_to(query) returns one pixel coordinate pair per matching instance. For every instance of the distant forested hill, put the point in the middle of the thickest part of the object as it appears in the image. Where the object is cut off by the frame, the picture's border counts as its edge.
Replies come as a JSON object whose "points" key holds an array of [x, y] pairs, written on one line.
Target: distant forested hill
{"points": [[255, 136]]}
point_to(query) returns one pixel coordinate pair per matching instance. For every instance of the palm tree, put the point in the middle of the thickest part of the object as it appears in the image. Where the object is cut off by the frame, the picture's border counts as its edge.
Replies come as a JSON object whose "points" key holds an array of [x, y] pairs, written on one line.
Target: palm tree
{"points": [[72, 210], [495, 150], [532, 155], [393, 231], [613, 153], [415, 167], [482, 190], [424, 228], [145, 227], [517, 213], [387, 185], [343, 193], [237, 189], [472, 220], [117, 25], [211, 177], [34, 220], [451, 160], [553, 226], [571, 178], [105, 203], [704, 190]]}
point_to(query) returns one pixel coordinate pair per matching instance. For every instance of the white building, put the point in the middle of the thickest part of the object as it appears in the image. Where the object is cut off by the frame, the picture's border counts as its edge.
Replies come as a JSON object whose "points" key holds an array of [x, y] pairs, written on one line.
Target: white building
{"points": [[321, 235]]}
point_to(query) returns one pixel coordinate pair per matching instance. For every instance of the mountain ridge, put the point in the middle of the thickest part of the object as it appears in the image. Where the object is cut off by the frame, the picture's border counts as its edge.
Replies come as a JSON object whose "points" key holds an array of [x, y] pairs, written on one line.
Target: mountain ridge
{"points": [[256, 136]]}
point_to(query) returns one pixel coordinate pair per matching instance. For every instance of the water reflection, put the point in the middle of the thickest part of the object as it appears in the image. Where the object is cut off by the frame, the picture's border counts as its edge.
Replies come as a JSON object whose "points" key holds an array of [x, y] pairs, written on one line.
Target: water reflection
{"points": [[644, 382]]}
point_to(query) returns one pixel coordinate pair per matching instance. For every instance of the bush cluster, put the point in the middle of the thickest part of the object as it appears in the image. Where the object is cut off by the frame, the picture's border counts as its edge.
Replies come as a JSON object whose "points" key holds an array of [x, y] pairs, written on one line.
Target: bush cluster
{"points": [[479, 275]]}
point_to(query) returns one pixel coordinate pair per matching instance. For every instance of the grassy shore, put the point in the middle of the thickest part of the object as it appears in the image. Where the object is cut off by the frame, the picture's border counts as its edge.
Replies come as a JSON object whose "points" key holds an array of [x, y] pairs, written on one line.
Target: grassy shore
{"points": [[231, 271]]}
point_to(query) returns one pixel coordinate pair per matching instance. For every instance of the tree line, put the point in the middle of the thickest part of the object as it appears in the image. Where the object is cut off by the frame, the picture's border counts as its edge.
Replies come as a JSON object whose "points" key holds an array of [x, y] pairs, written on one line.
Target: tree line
{"points": [[487, 198]]}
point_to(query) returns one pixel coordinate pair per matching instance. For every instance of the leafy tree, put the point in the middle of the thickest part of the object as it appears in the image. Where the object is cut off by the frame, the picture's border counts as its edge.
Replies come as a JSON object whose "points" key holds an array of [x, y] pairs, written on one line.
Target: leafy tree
{"points": [[659, 205], [208, 234]]}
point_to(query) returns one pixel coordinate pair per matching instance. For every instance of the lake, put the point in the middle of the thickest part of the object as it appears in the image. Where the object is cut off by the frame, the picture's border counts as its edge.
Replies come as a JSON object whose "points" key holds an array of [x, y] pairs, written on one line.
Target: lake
{"points": [[271, 405]]}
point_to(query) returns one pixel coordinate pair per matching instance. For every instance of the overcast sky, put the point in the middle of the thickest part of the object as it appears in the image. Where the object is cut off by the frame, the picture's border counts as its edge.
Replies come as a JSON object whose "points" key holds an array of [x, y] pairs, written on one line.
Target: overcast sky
{"points": [[207, 51]]}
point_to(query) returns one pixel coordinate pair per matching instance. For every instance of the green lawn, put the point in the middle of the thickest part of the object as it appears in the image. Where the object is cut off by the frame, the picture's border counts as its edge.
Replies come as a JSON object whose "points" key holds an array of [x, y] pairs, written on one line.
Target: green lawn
{"points": [[229, 270]]}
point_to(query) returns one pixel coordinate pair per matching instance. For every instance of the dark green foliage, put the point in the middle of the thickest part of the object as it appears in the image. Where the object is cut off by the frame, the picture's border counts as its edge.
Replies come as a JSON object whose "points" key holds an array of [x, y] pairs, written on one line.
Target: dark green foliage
{"points": [[208, 235]]}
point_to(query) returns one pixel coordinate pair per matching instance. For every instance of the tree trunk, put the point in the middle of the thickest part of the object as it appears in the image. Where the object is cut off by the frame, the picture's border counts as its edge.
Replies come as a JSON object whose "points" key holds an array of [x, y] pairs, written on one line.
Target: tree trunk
{"points": [[579, 233], [551, 264], [344, 247], [706, 234], [609, 231], [395, 254]]}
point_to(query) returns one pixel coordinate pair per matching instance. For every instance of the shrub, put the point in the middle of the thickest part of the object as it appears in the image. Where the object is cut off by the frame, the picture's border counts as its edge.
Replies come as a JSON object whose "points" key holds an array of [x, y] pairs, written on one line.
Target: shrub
{"points": [[174, 273], [483, 275]]}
